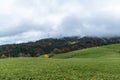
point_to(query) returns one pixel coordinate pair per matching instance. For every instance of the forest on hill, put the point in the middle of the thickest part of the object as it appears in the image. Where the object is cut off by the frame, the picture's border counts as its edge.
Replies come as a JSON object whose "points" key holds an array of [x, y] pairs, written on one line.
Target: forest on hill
{"points": [[54, 45]]}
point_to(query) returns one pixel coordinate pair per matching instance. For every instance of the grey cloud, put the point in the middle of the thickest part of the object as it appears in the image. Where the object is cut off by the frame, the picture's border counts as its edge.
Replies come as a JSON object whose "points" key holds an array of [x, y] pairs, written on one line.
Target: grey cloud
{"points": [[100, 25], [91, 20], [25, 27], [71, 26]]}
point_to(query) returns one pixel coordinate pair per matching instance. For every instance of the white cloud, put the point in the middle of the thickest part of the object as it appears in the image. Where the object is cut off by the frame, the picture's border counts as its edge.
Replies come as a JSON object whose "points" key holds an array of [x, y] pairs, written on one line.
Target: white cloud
{"points": [[22, 20]]}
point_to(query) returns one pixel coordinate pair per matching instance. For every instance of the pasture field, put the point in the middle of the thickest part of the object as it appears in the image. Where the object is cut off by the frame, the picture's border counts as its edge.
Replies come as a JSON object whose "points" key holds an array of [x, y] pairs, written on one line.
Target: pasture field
{"points": [[59, 69], [98, 63], [101, 52]]}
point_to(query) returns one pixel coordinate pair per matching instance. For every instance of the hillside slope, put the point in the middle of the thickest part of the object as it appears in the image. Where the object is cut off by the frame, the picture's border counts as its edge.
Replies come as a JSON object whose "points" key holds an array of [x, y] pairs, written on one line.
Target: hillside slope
{"points": [[109, 51], [48, 45]]}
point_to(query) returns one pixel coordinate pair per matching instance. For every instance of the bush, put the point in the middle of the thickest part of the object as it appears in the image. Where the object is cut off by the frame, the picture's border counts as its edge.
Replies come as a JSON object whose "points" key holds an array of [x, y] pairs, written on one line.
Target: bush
{"points": [[46, 56], [3, 56], [51, 55]]}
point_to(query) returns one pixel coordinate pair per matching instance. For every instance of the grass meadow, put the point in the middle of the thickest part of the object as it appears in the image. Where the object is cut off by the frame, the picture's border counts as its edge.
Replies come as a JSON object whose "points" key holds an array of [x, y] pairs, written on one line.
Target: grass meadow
{"points": [[98, 63]]}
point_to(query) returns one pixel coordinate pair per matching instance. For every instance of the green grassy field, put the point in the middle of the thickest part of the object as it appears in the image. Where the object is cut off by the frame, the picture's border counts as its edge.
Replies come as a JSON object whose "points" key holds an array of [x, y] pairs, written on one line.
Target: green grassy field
{"points": [[100, 63], [109, 51]]}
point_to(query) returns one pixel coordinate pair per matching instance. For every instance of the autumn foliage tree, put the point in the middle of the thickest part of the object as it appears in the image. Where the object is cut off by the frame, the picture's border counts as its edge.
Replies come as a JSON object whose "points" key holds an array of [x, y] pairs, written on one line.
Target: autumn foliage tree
{"points": [[64, 50], [46, 56], [56, 50]]}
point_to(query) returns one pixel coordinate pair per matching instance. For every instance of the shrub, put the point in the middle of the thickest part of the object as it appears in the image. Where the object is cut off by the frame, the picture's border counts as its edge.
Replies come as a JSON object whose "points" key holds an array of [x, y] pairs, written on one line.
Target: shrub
{"points": [[3, 56], [51, 55], [46, 56]]}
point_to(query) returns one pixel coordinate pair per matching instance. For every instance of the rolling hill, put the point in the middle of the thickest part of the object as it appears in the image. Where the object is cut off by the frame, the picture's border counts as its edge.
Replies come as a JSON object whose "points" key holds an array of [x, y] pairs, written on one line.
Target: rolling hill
{"points": [[109, 51], [33, 49], [97, 63]]}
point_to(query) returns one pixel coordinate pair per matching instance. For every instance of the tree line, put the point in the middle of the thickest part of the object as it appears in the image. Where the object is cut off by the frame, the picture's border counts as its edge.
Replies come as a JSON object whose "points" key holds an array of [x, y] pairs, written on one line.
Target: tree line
{"points": [[53, 46]]}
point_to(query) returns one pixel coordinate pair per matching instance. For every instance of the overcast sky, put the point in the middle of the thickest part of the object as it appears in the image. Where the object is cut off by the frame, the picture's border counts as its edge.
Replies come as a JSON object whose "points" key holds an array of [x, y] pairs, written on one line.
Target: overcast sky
{"points": [[31, 20]]}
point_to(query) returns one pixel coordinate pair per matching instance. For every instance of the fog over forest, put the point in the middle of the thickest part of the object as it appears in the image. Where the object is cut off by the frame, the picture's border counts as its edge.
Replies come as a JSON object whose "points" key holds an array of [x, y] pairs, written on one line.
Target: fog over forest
{"points": [[31, 20]]}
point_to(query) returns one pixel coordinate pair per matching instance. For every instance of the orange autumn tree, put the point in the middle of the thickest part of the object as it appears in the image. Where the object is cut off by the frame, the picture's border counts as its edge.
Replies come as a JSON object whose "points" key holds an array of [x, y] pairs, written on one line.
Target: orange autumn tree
{"points": [[56, 51], [64, 50]]}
